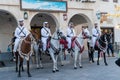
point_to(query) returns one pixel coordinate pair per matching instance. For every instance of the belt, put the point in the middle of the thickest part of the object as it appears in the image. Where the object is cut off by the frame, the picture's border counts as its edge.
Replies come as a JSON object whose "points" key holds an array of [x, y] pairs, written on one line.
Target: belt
{"points": [[94, 36], [22, 36], [45, 36], [68, 36]]}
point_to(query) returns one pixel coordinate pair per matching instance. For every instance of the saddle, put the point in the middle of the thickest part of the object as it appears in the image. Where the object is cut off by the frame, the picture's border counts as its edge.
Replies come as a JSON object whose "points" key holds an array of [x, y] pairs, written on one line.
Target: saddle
{"points": [[64, 43], [48, 43]]}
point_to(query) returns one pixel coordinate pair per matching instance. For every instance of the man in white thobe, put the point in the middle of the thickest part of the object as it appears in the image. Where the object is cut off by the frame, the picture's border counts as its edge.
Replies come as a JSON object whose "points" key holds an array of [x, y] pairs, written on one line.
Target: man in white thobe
{"points": [[45, 33], [20, 32], [70, 34], [95, 34]]}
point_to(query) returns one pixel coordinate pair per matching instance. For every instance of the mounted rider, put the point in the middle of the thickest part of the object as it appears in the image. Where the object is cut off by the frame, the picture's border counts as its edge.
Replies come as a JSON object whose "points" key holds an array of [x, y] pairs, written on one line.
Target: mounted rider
{"points": [[95, 34], [70, 34], [45, 33], [20, 32]]}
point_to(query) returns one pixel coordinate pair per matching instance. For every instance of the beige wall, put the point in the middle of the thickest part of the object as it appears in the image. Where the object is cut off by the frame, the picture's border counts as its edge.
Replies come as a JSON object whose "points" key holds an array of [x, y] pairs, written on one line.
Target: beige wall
{"points": [[87, 10]]}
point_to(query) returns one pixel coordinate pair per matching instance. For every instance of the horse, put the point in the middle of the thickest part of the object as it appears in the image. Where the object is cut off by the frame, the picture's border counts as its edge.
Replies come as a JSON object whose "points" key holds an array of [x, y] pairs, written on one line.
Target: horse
{"points": [[100, 46], [25, 50], [54, 47], [37, 56], [77, 47]]}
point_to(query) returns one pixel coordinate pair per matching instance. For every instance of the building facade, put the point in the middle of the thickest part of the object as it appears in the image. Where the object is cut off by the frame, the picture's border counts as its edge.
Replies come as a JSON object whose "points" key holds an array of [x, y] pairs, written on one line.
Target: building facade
{"points": [[80, 12]]}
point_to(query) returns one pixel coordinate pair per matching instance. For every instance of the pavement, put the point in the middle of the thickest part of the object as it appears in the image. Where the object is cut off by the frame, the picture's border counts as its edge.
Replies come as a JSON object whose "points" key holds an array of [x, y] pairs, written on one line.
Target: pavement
{"points": [[90, 71]]}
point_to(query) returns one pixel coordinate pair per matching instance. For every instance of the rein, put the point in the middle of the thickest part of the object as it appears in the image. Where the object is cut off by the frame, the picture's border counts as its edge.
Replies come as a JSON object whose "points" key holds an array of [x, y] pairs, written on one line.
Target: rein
{"points": [[79, 46], [28, 42]]}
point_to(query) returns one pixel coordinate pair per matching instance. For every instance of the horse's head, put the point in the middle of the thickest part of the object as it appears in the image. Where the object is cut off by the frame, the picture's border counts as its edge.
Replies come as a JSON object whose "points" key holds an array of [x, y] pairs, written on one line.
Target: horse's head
{"points": [[85, 34], [58, 34], [30, 37]]}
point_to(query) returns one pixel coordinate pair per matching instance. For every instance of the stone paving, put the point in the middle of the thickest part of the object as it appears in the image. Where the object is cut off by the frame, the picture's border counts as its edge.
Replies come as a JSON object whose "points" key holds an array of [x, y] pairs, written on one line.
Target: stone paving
{"points": [[88, 72]]}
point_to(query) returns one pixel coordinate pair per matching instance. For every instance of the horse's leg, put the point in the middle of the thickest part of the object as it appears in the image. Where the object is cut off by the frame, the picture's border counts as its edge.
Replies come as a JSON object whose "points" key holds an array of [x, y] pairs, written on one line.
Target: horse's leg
{"points": [[105, 59], [75, 59], [40, 59], [20, 65], [36, 56], [28, 70], [98, 57], [16, 54], [92, 54], [54, 61], [61, 57], [80, 63]]}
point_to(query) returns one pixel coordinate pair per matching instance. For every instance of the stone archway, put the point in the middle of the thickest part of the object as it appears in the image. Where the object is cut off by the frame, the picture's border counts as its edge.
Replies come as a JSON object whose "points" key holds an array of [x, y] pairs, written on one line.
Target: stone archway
{"points": [[8, 23], [80, 20], [37, 22]]}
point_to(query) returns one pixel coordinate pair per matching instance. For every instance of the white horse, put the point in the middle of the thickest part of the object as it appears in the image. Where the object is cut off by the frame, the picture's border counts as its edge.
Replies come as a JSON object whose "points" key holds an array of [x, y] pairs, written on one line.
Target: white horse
{"points": [[37, 55], [77, 50], [55, 48]]}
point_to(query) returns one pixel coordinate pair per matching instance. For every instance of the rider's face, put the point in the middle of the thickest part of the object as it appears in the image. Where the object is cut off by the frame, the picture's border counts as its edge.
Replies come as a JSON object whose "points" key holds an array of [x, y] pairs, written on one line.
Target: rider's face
{"points": [[47, 25], [21, 23]]}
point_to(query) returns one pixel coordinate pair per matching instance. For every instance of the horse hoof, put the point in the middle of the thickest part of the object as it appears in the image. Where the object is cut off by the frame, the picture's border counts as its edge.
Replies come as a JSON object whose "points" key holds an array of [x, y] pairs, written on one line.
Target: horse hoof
{"points": [[38, 68], [75, 67], [106, 64], [19, 75], [41, 67], [93, 61], [23, 70], [81, 67], [57, 70], [29, 75], [16, 70], [98, 64], [53, 71]]}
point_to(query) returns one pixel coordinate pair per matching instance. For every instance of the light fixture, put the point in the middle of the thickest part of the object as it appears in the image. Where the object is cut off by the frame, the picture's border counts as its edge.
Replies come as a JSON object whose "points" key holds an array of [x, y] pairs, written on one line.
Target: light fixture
{"points": [[98, 14], [25, 15], [65, 17]]}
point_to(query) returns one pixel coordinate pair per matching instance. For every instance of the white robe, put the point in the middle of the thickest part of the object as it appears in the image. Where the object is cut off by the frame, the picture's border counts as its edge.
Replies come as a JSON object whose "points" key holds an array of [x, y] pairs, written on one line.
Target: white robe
{"points": [[45, 33], [70, 35], [19, 35], [95, 35]]}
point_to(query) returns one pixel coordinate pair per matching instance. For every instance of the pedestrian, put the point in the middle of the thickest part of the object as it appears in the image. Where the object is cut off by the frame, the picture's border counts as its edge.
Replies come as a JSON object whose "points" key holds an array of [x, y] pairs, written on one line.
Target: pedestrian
{"points": [[20, 32], [110, 44]]}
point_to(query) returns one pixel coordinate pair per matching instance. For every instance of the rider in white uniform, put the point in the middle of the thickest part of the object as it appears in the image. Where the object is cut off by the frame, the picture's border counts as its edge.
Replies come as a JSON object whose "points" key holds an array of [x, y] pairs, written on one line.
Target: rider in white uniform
{"points": [[45, 33], [70, 34], [95, 34], [20, 32]]}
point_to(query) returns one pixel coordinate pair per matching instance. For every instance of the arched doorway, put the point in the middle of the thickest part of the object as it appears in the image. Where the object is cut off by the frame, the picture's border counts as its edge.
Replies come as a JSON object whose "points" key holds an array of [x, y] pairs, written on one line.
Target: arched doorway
{"points": [[80, 20], [37, 22], [8, 24]]}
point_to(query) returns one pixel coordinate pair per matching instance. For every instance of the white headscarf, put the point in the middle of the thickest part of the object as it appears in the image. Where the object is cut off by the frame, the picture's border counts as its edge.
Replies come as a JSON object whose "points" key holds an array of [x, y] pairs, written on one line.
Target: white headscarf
{"points": [[44, 23]]}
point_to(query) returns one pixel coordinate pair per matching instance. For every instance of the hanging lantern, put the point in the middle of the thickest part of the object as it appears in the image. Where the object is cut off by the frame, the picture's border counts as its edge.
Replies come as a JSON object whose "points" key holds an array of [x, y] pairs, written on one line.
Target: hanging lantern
{"points": [[25, 15], [65, 17]]}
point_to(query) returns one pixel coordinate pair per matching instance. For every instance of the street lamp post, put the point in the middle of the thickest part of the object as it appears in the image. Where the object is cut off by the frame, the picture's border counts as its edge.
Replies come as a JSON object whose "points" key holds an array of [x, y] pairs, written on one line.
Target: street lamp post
{"points": [[98, 14]]}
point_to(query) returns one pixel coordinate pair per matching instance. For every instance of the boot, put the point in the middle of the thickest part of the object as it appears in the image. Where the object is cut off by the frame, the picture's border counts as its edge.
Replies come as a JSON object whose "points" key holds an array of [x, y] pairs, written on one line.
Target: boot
{"points": [[113, 55]]}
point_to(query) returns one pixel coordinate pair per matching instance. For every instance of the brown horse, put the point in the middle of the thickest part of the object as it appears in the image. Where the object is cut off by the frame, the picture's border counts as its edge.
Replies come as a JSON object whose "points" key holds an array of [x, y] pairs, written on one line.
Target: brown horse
{"points": [[24, 51]]}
